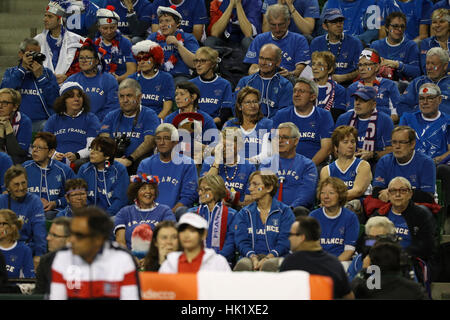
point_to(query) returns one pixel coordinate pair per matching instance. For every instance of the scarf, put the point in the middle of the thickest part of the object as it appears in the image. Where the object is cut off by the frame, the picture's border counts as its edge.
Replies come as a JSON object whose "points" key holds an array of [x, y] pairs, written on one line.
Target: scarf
{"points": [[330, 96], [115, 52], [170, 63], [369, 138], [218, 227], [15, 123]]}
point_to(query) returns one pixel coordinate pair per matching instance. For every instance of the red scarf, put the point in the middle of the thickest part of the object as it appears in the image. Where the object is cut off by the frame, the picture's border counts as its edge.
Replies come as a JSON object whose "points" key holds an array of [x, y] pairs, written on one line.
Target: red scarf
{"points": [[115, 49], [170, 63]]}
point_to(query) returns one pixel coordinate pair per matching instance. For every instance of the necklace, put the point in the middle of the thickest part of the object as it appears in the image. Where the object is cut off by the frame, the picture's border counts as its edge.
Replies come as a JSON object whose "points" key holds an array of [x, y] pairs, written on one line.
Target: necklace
{"points": [[234, 173], [339, 48]]}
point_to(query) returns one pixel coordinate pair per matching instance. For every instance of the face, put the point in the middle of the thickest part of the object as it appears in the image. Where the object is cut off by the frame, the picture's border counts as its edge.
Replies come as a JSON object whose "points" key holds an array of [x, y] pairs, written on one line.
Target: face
{"points": [[294, 239], [51, 21], [145, 62], [129, 102], [74, 104], [403, 148], [41, 153], [396, 29], [167, 25], [167, 238], [303, 95], [184, 98], [435, 68], [190, 239], [7, 107], [329, 198], [108, 31], [164, 142], [87, 60], [5, 228], [56, 237], [278, 26], [203, 65], [30, 47], [335, 27], [146, 195], [97, 156], [367, 69], [83, 243], [77, 198], [364, 108], [347, 146], [440, 26], [257, 188], [286, 143], [205, 193], [18, 187], [268, 62], [376, 231], [319, 68], [399, 194], [250, 105], [429, 104]]}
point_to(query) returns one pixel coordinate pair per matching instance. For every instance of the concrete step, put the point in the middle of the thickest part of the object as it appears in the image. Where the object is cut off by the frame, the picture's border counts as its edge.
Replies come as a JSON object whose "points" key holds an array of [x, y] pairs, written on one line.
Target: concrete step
{"points": [[31, 20], [23, 5], [440, 290], [15, 35], [445, 238]]}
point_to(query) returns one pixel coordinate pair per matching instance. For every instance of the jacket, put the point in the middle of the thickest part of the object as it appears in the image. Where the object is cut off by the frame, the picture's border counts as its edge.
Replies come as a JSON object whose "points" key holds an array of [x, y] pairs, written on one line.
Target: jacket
{"points": [[276, 232], [49, 180], [211, 261]]}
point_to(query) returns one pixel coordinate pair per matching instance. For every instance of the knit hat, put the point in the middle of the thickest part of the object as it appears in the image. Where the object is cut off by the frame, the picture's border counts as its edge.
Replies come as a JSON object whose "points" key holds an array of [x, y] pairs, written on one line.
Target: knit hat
{"points": [[150, 47], [107, 15]]}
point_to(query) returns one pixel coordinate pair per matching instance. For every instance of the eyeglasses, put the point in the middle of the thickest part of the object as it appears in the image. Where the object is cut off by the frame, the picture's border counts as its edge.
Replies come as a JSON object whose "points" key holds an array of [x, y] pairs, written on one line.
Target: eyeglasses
{"points": [[201, 61], [94, 150], [54, 235], [247, 103], [404, 142], [401, 190], [38, 148], [144, 57], [427, 98], [86, 58], [6, 103], [264, 59], [398, 26]]}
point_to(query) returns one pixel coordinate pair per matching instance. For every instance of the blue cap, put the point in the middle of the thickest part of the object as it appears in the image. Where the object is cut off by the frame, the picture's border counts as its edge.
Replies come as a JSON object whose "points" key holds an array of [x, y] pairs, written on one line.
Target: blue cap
{"points": [[332, 14], [365, 93]]}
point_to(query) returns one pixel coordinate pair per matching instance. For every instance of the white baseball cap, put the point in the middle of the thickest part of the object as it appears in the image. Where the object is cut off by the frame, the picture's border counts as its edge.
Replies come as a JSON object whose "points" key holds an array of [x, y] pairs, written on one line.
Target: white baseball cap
{"points": [[193, 219]]}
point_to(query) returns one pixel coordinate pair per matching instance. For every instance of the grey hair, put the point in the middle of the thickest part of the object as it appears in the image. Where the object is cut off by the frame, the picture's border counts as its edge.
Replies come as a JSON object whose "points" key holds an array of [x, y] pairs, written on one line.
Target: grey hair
{"points": [[441, 53], [311, 83], [28, 42], [276, 10], [170, 128], [290, 125], [431, 86], [382, 222], [278, 51], [132, 84], [402, 180]]}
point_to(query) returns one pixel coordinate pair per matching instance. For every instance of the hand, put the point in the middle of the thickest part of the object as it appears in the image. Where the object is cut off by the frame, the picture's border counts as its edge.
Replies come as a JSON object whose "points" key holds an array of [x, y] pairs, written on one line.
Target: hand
{"points": [[37, 69], [59, 156], [255, 262], [390, 63], [115, 76], [363, 154], [128, 4], [48, 205], [383, 195], [60, 78], [71, 156], [27, 60], [172, 40], [283, 72], [123, 161]]}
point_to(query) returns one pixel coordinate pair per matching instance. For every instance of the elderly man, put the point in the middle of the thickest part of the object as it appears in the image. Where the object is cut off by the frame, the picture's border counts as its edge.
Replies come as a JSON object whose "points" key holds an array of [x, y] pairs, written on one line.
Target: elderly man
{"points": [[276, 90], [373, 127], [177, 173], [315, 124], [430, 124], [414, 225], [404, 161], [132, 126], [436, 68], [295, 49], [58, 44]]}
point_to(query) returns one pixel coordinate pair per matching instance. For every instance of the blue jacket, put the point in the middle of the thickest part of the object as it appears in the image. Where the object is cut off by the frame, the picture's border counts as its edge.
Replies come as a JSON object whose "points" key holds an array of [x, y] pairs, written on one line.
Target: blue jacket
{"points": [[274, 238], [48, 182], [277, 95], [106, 189], [33, 231], [38, 95], [5, 163]]}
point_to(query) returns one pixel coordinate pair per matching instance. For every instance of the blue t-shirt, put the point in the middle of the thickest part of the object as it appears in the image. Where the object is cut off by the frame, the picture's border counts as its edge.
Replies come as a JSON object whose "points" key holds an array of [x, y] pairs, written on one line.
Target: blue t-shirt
{"points": [[192, 11], [346, 52], [117, 125], [384, 127], [313, 128], [401, 228], [155, 90], [55, 49], [294, 46], [348, 176], [214, 95], [19, 261], [337, 233], [432, 136]]}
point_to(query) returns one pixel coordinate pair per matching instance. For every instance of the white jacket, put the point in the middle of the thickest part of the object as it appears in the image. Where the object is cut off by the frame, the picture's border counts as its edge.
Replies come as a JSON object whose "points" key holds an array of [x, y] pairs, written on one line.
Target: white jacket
{"points": [[211, 262], [70, 43]]}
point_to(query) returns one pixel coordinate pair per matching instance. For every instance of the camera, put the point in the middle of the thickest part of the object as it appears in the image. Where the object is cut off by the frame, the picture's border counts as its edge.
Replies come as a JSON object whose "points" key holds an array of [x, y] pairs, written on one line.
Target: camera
{"points": [[37, 56], [122, 144]]}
